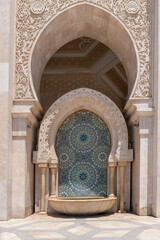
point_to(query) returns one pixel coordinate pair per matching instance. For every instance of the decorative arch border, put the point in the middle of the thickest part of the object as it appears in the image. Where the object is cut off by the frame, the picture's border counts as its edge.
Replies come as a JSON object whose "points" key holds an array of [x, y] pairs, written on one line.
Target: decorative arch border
{"points": [[73, 101], [34, 15]]}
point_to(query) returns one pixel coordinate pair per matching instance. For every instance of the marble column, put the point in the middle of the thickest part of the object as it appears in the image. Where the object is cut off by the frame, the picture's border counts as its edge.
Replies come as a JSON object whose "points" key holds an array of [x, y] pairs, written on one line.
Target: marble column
{"points": [[141, 121], [53, 167], [122, 165], [43, 167], [156, 94], [112, 167]]}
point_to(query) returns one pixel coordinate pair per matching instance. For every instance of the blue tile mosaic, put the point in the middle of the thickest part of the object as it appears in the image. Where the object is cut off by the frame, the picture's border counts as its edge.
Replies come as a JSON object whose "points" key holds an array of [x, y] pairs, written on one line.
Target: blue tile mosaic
{"points": [[83, 144]]}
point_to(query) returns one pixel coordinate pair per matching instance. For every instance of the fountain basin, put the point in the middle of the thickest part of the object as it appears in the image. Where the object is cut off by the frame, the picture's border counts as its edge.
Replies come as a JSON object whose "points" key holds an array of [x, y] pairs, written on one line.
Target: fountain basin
{"points": [[82, 206]]}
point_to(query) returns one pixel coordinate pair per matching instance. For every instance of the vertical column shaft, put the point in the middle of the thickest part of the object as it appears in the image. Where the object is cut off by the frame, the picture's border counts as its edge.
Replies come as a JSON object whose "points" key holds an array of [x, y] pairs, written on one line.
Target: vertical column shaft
{"points": [[112, 167], [53, 168], [43, 187], [122, 166]]}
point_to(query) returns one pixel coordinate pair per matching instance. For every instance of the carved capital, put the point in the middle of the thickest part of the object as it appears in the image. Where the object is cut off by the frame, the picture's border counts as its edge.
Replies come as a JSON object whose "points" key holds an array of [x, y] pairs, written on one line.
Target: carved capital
{"points": [[122, 164], [53, 165], [112, 164], [42, 165]]}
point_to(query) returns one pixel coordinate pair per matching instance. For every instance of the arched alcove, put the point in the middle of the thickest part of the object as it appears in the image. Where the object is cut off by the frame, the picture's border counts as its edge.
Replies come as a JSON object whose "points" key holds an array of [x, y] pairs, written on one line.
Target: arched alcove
{"points": [[84, 20], [84, 100]]}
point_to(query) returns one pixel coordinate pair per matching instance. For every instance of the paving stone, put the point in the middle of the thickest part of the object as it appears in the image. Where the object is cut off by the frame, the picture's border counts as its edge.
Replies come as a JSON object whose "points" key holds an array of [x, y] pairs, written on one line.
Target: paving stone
{"points": [[80, 230], [110, 234], [48, 235], [149, 234], [112, 224], [112, 227], [8, 236], [47, 226]]}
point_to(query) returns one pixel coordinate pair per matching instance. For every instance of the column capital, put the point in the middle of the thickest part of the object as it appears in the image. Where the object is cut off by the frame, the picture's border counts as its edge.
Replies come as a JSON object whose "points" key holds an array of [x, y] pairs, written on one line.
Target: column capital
{"points": [[53, 165], [42, 165], [112, 164], [122, 163]]}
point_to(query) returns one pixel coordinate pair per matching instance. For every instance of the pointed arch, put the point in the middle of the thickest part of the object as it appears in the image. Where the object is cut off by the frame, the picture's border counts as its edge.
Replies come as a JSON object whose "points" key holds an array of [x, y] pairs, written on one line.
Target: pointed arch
{"points": [[80, 20]]}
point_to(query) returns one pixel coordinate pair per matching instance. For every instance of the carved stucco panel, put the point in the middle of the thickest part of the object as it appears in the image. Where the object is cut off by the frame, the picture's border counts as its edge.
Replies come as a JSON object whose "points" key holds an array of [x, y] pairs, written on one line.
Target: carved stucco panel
{"points": [[32, 16], [85, 97]]}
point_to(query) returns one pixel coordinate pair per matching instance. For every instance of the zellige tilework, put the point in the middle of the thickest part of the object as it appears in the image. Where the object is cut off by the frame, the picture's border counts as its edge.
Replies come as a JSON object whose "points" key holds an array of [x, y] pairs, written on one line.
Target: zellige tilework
{"points": [[83, 145]]}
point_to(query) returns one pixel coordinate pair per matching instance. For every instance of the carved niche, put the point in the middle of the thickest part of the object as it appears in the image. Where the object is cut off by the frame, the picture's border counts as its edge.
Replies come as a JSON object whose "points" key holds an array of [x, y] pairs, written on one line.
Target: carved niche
{"points": [[32, 16]]}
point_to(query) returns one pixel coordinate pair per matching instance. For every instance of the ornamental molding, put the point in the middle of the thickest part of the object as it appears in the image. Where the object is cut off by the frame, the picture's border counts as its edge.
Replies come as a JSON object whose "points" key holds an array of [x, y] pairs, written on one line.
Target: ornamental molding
{"points": [[73, 101], [32, 16]]}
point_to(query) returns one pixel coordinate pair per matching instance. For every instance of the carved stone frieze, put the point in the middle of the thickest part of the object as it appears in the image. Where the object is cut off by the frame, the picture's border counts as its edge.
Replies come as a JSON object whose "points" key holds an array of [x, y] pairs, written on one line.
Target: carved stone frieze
{"points": [[111, 113], [32, 16]]}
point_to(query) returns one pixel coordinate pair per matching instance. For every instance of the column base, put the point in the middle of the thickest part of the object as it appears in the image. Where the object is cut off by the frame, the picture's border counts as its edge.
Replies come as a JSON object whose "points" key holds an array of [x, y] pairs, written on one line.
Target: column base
{"points": [[121, 211], [111, 195], [53, 195], [43, 213]]}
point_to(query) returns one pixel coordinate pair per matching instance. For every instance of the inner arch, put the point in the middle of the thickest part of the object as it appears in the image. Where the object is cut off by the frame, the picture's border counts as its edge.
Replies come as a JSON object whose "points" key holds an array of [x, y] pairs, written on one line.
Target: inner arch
{"points": [[84, 63], [79, 21]]}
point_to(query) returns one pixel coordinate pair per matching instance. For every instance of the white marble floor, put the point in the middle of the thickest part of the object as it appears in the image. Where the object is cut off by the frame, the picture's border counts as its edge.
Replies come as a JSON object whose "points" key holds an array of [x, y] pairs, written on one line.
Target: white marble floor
{"points": [[115, 226]]}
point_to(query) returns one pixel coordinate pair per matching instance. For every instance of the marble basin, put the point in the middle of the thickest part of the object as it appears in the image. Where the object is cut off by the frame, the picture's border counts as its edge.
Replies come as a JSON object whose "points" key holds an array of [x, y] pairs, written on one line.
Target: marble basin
{"points": [[82, 206]]}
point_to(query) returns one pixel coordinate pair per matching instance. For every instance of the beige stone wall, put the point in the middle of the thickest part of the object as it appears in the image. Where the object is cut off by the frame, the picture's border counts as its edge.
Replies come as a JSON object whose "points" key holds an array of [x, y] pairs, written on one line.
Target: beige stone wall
{"points": [[7, 28], [22, 168]]}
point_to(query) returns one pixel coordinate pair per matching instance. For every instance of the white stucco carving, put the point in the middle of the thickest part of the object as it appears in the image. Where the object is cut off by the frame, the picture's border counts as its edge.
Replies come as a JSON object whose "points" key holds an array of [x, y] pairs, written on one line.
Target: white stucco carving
{"points": [[37, 7], [132, 7], [73, 101], [29, 25]]}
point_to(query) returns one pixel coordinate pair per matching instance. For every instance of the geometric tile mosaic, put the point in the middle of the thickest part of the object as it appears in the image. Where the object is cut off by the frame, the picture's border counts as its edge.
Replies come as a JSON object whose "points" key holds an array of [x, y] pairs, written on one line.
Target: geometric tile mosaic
{"points": [[83, 144]]}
